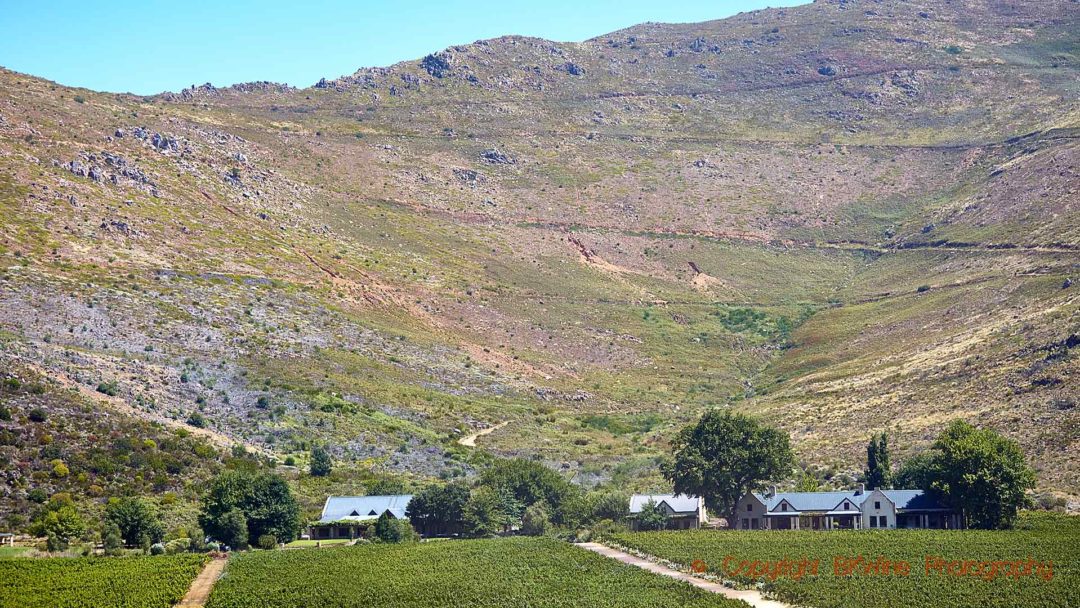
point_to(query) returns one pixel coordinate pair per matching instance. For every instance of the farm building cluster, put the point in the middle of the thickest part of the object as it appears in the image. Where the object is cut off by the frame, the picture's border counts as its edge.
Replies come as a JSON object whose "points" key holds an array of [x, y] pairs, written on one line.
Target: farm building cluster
{"points": [[348, 517]]}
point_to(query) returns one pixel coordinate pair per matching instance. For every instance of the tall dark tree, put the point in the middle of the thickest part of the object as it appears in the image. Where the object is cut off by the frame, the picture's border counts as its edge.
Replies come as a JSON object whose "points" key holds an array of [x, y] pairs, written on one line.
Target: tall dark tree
{"points": [[263, 499], [136, 519], [878, 467], [725, 455], [438, 509], [320, 461], [981, 473]]}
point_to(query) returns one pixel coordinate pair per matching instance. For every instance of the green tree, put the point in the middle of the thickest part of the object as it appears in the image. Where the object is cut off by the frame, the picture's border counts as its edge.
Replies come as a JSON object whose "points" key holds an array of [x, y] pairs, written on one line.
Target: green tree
{"points": [[535, 521], [482, 514], [652, 517], [914, 473], [63, 524], [111, 538], [438, 509], [725, 455], [982, 474], [263, 499], [59, 523], [389, 529], [136, 519], [530, 482], [878, 468], [321, 464], [611, 505], [231, 528]]}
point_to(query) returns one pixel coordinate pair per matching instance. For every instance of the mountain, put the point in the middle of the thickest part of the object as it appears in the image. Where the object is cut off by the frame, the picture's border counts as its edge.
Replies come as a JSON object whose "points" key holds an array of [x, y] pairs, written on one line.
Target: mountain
{"points": [[843, 217]]}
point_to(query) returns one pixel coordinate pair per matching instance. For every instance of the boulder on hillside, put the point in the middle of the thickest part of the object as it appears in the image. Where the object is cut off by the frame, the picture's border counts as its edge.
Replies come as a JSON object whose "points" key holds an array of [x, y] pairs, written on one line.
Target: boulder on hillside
{"points": [[492, 155]]}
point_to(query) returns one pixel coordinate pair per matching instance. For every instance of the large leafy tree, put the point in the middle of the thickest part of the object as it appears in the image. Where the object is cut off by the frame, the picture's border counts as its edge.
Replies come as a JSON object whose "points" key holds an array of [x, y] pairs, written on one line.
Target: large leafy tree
{"points": [[483, 514], [878, 468], [61, 526], [263, 499], [980, 473], [725, 455], [915, 472], [530, 482], [137, 520], [438, 508]]}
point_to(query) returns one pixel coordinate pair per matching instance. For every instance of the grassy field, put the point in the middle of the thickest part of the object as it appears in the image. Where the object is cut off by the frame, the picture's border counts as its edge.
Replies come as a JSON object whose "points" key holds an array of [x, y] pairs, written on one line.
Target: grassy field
{"points": [[1053, 540], [513, 572], [120, 582]]}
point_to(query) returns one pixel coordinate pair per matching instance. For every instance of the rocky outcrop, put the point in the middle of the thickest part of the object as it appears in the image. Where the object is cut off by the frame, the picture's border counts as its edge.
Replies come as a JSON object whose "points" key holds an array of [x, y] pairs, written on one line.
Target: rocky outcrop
{"points": [[493, 156], [117, 170], [436, 64]]}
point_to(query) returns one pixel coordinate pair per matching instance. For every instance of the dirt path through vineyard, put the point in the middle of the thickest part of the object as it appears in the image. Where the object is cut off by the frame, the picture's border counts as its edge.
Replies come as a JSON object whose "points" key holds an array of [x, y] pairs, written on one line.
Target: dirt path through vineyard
{"points": [[202, 585], [751, 597]]}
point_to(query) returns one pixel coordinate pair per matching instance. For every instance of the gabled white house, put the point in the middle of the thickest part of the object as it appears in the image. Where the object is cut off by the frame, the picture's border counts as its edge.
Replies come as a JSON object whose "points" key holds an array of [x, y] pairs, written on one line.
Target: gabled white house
{"points": [[683, 511], [345, 516], [853, 509]]}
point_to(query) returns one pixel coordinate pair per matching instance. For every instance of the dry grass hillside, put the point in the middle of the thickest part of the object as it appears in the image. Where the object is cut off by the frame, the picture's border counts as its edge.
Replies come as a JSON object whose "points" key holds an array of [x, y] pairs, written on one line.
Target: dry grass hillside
{"points": [[844, 216]]}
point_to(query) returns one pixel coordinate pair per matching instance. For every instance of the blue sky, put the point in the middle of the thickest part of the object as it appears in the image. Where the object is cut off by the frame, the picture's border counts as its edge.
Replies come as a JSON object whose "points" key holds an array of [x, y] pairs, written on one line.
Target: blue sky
{"points": [[151, 46]]}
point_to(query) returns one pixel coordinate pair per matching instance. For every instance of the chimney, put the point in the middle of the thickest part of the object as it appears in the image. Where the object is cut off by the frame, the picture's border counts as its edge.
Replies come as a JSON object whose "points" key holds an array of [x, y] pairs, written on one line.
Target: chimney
{"points": [[772, 492], [861, 490]]}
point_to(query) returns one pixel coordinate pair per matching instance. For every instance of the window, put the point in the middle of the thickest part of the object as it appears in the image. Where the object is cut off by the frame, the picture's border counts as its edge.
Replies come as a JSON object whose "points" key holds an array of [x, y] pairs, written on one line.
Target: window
{"points": [[847, 506], [873, 521], [750, 508], [882, 522], [783, 507], [877, 504]]}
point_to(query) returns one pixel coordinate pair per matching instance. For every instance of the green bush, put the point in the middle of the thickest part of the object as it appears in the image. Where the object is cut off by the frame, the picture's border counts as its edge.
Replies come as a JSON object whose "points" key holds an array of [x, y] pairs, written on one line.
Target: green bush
{"points": [[266, 541], [177, 545], [197, 420], [391, 530], [110, 388], [535, 521]]}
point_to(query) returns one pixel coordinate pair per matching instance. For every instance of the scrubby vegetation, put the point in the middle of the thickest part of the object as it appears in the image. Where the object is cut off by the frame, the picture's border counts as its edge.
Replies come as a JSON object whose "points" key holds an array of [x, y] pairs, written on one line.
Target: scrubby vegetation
{"points": [[76, 457]]}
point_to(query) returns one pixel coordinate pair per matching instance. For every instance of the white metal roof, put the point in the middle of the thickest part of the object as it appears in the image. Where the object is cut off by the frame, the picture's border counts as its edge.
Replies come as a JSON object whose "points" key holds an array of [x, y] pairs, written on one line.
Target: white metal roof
{"points": [[361, 508], [679, 503]]}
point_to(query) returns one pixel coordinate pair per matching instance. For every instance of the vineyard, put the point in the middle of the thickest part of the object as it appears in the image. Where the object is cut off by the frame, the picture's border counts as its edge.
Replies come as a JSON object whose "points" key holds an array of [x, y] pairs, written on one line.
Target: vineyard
{"points": [[1049, 540], [116, 582], [476, 573]]}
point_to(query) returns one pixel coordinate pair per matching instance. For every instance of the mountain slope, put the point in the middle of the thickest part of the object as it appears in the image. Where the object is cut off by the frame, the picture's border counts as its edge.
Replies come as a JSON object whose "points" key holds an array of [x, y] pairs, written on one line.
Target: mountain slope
{"points": [[843, 216]]}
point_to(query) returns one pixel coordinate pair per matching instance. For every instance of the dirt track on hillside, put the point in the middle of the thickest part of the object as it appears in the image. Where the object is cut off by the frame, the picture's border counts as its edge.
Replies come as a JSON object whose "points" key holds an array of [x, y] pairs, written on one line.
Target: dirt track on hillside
{"points": [[470, 440]]}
